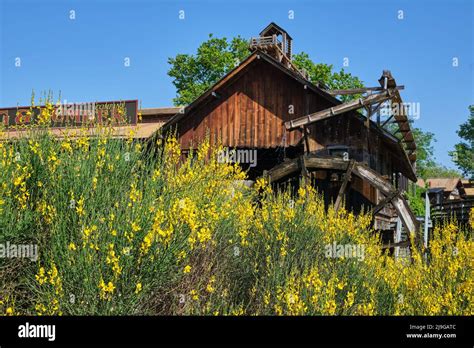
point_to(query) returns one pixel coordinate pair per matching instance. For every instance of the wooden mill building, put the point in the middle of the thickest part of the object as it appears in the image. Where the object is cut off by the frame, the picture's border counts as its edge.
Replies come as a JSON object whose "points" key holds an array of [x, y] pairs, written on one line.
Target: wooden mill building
{"points": [[299, 129]]}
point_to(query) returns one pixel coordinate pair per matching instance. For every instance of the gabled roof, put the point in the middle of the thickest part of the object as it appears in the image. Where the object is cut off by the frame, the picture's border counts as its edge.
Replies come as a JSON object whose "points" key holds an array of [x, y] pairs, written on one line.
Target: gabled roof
{"points": [[276, 27], [447, 184], [245, 64], [164, 111], [258, 55]]}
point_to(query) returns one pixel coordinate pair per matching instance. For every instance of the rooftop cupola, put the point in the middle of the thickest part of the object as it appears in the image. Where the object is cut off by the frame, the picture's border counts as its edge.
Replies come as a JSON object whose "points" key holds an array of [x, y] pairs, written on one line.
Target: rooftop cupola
{"points": [[276, 42]]}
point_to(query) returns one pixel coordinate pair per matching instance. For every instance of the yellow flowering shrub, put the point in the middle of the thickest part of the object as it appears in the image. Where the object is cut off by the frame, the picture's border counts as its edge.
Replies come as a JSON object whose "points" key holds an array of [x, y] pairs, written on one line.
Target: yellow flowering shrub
{"points": [[123, 229]]}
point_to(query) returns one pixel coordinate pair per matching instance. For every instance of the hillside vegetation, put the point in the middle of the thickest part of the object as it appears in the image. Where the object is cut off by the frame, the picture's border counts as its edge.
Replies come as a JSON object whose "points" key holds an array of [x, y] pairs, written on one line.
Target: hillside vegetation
{"points": [[124, 230]]}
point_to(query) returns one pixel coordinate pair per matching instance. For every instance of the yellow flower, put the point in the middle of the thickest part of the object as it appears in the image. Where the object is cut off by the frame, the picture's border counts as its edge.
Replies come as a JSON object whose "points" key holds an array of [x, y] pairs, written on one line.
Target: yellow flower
{"points": [[72, 246], [187, 269], [66, 146], [330, 307], [41, 276], [135, 227], [88, 230], [194, 295], [80, 207], [210, 287], [135, 195], [204, 234], [9, 311], [18, 181], [181, 255], [138, 288], [106, 290], [146, 244], [349, 301], [114, 260]]}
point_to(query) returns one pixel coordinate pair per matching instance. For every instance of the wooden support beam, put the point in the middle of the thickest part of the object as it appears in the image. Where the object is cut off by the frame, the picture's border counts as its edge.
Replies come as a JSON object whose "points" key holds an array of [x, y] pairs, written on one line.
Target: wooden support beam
{"points": [[377, 107], [373, 178], [358, 90], [387, 121], [342, 190], [406, 215], [306, 141], [310, 162], [367, 119], [384, 202], [339, 109], [403, 244], [284, 169], [399, 203], [304, 171], [401, 117], [325, 163]]}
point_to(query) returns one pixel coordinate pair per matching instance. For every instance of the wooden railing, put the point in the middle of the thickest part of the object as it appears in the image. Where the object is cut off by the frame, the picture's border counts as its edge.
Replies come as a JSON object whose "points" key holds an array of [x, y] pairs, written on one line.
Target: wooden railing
{"points": [[263, 41]]}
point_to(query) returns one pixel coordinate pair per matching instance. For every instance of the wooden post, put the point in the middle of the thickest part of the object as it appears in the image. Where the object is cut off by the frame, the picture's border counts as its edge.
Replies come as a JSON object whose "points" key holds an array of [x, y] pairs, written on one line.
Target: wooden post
{"points": [[306, 141], [347, 178], [397, 237], [304, 171]]}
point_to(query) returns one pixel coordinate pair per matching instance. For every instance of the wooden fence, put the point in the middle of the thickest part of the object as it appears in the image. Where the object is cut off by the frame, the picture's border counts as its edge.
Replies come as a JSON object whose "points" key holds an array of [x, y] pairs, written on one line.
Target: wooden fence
{"points": [[458, 209]]}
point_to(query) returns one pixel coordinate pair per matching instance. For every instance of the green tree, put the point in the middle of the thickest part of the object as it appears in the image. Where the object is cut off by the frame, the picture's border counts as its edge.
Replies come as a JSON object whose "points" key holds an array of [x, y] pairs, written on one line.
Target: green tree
{"points": [[424, 151], [426, 164], [463, 154], [194, 74], [416, 200], [440, 171]]}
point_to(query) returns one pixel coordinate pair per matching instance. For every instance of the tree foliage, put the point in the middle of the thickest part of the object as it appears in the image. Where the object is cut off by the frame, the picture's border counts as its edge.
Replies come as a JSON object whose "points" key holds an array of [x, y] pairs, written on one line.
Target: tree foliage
{"points": [[463, 154], [194, 74], [424, 150], [416, 200], [439, 171], [426, 164]]}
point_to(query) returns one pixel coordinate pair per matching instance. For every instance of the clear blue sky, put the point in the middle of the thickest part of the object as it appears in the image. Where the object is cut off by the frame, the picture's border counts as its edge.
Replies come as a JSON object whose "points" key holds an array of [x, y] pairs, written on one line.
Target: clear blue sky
{"points": [[84, 58]]}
